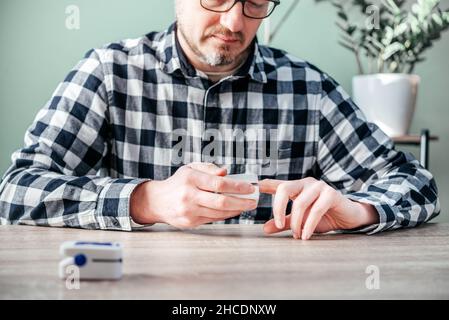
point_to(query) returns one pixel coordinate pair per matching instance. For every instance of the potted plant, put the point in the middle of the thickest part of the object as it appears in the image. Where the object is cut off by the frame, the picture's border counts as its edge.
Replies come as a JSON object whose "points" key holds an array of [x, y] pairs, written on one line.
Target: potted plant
{"points": [[387, 44]]}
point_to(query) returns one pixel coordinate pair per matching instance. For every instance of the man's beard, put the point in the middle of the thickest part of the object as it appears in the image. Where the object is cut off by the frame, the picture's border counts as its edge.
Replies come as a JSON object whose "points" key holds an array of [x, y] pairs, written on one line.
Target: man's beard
{"points": [[216, 58]]}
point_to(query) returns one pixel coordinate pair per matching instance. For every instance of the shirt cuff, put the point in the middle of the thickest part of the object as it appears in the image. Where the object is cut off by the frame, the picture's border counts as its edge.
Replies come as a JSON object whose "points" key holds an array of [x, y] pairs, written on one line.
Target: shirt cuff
{"points": [[137, 226], [112, 212]]}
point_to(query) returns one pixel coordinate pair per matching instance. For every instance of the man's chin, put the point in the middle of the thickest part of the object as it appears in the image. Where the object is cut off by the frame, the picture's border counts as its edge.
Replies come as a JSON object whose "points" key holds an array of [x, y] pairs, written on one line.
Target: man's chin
{"points": [[218, 61]]}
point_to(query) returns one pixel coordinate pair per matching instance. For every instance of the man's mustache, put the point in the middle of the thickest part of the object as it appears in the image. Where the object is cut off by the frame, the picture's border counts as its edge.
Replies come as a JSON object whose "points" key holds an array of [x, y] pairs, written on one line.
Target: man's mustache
{"points": [[226, 33]]}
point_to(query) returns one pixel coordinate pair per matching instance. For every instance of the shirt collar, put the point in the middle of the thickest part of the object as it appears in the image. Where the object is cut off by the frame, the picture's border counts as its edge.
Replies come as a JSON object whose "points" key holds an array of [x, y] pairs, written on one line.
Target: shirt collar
{"points": [[173, 60]]}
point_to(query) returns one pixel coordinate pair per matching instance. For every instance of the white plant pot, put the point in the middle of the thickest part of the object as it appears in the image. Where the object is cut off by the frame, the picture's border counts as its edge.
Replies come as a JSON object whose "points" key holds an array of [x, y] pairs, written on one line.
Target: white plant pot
{"points": [[387, 99]]}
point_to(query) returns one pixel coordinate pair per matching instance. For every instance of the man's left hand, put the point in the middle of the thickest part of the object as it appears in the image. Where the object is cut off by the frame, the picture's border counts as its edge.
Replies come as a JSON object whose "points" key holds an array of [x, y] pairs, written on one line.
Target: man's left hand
{"points": [[317, 207]]}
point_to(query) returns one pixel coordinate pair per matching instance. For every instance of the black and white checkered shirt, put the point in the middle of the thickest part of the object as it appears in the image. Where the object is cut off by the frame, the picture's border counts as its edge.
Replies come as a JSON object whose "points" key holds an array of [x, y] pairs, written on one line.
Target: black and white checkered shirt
{"points": [[110, 125]]}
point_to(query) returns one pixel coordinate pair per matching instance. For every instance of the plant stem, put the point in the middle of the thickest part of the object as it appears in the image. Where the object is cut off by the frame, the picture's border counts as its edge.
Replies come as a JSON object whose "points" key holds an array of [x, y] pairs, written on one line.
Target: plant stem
{"points": [[357, 57], [283, 19]]}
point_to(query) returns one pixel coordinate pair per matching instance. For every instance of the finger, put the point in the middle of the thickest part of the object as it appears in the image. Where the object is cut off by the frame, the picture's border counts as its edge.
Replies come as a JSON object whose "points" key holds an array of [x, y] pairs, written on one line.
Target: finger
{"points": [[224, 203], [213, 183], [200, 220], [189, 223], [270, 226], [298, 215], [209, 168], [299, 207], [326, 223], [284, 193], [215, 215], [319, 208], [269, 185]]}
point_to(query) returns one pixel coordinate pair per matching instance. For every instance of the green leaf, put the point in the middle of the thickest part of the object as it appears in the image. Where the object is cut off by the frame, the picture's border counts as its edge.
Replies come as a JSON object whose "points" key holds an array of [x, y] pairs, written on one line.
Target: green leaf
{"points": [[404, 32], [392, 49], [351, 29], [445, 16], [347, 45], [388, 37], [393, 66], [414, 25], [335, 4], [425, 26], [371, 50], [342, 15], [407, 44], [391, 6], [400, 29], [375, 42], [437, 19], [416, 9]]}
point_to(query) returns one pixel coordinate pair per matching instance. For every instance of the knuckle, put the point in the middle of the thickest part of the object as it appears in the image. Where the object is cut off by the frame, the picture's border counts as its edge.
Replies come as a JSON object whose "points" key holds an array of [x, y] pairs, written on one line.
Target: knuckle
{"points": [[329, 192], [183, 209], [189, 175], [184, 169], [322, 184], [310, 180], [184, 195], [194, 164], [282, 188], [184, 223], [317, 186]]}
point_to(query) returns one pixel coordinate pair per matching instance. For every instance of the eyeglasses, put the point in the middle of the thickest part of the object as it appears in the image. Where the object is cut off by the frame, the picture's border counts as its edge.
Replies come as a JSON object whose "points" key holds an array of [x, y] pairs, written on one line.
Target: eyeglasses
{"points": [[255, 9]]}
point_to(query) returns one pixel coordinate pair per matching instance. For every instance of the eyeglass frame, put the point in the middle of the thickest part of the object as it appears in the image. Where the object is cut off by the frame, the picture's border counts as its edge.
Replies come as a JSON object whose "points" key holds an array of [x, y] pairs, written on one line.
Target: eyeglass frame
{"points": [[276, 3]]}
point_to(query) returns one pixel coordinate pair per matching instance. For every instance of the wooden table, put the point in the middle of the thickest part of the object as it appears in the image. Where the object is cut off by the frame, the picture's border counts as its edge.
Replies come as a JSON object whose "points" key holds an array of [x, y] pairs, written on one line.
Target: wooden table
{"points": [[233, 262]]}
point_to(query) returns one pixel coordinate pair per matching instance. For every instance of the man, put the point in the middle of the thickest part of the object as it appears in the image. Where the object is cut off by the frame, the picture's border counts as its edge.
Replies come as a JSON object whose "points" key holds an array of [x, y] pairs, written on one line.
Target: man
{"points": [[101, 153]]}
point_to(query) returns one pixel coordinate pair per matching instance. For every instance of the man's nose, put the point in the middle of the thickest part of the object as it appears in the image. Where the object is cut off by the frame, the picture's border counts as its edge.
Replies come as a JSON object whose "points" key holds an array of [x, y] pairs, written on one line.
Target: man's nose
{"points": [[233, 19]]}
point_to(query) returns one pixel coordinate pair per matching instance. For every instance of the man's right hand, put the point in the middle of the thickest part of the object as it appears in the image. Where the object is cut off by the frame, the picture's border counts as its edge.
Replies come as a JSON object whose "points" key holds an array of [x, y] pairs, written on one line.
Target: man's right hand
{"points": [[189, 198]]}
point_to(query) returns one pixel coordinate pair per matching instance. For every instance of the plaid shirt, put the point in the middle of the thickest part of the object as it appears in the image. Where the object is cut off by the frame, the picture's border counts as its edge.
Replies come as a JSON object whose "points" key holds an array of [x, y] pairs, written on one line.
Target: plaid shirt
{"points": [[109, 127]]}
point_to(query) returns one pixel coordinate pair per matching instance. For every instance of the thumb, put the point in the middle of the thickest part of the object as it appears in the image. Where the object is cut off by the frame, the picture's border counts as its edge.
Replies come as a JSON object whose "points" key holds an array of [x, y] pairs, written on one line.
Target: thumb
{"points": [[209, 168], [270, 226]]}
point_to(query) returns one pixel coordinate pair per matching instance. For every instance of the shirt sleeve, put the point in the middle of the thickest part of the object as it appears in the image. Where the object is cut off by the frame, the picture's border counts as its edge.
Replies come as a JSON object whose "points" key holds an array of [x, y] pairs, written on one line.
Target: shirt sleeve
{"points": [[55, 179], [357, 158]]}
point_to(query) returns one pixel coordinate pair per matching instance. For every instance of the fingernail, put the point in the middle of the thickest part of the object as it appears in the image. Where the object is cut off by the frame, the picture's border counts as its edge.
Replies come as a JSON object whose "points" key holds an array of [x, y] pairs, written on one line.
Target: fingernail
{"points": [[278, 223], [305, 235]]}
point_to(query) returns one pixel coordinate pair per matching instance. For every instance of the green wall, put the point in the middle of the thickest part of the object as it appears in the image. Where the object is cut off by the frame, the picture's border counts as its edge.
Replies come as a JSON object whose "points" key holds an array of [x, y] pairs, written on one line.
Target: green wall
{"points": [[37, 51]]}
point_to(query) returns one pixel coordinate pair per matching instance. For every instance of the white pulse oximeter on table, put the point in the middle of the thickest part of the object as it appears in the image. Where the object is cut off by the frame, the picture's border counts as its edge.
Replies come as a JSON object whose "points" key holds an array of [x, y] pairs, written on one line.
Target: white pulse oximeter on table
{"points": [[94, 260]]}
